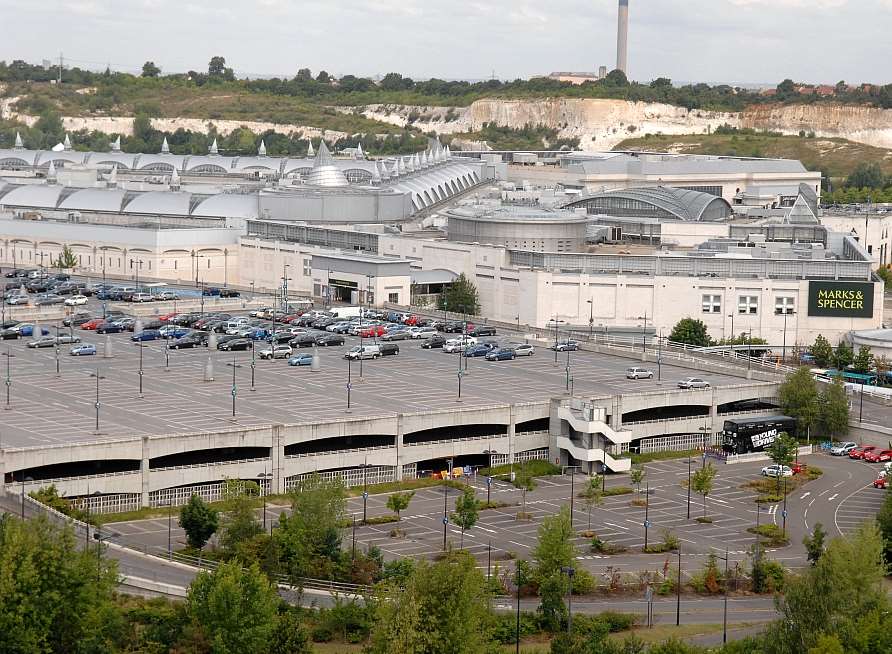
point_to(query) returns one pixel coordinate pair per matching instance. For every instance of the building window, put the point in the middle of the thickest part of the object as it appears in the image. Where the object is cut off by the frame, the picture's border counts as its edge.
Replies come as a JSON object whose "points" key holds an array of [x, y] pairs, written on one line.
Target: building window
{"points": [[393, 298], [712, 304], [785, 305], [748, 304], [308, 267]]}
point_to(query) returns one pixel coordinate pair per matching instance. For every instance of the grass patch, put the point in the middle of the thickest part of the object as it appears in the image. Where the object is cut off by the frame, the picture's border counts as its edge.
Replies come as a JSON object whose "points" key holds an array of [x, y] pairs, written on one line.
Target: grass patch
{"points": [[524, 473], [618, 490], [638, 502], [381, 520], [770, 489], [406, 485], [659, 548], [603, 547], [772, 535], [663, 456], [483, 505], [704, 520]]}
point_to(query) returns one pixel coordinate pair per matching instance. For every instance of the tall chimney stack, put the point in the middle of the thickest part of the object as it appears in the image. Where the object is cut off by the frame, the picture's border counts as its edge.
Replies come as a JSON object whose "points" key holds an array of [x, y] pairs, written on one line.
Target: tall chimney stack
{"points": [[622, 37]]}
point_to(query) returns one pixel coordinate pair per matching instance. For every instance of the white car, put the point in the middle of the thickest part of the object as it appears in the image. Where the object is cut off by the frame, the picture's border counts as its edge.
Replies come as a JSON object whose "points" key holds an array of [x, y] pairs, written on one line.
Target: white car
{"points": [[278, 352], [422, 332], [776, 470], [523, 350], [459, 344], [639, 373], [843, 448], [76, 300]]}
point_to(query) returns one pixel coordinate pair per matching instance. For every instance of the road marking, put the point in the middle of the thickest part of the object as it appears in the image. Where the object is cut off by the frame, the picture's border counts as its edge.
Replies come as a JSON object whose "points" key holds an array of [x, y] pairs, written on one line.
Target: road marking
{"points": [[832, 497], [805, 495]]}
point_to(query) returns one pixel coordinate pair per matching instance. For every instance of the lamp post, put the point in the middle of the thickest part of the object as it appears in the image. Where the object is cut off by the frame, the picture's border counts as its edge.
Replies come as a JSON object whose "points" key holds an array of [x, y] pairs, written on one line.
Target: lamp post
{"points": [[349, 381], [731, 340], [234, 391], [263, 476], [9, 355], [678, 591], [445, 502], [591, 318], [556, 322], [646, 513], [749, 350], [569, 572], [140, 372], [56, 348], [365, 489], [689, 487], [489, 453], [97, 404], [660, 357], [138, 263], [169, 543], [785, 313], [253, 366], [644, 332], [725, 611], [569, 379], [24, 479]]}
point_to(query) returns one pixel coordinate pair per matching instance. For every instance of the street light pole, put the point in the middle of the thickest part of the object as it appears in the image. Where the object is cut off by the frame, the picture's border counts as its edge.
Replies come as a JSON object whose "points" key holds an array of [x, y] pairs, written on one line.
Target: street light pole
{"points": [[689, 487], [98, 404], [591, 318], [9, 355], [646, 513], [678, 591], [445, 502]]}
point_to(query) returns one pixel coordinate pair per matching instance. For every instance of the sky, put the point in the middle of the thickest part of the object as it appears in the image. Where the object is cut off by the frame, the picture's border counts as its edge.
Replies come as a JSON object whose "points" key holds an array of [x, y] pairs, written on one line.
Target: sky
{"points": [[743, 41]]}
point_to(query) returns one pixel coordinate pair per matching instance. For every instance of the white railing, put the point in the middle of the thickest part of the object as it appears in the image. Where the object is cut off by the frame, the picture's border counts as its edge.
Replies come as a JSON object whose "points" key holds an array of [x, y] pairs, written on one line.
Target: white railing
{"points": [[677, 443], [102, 504], [61, 480], [351, 476], [190, 466], [303, 455], [539, 454], [457, 439], [748, 412]]}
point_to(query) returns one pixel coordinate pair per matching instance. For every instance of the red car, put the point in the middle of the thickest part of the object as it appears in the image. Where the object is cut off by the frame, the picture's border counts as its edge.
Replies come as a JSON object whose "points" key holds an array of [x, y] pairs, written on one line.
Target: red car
{"points": [[878, 456], [167, 317], [879, 482], [799, 468], [92, 324], [374, 330], [411, 320], [860, 452]]}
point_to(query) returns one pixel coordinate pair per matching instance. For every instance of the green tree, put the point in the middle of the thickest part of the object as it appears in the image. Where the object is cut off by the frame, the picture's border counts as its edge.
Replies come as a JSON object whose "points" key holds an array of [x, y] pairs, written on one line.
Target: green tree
{"points": [[831, 597], [52, 596], [554, 550], [884, 521], [814, 543], [798, 397], [49, 123], [863, 360], [822, 351], [441, 607], [216, 66], [783, 450], [552, 608], [66, 259], [636, 476], [235, 608], [149, 69], [592, 496], [843, 356], [690, 331], [199, 521], [291, 636], [834, 409], [304, 75], [310, 538], [467, 512], [460, 297], [240, 523], [399, 502], [867, 174], [702, 481]]}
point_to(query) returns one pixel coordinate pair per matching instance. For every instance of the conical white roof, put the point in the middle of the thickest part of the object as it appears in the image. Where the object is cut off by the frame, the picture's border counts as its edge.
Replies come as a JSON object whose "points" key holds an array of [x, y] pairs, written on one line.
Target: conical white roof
{"points": [[113, 178], [410, 164], [325, 172], [67, 143], [213, 148], [261, 151], [174, 178], [165, 148], [395, 169], [51, 171], [310, 151], [376, 176], [359, 153], [402, 166], [116, 146], [18, 141]]}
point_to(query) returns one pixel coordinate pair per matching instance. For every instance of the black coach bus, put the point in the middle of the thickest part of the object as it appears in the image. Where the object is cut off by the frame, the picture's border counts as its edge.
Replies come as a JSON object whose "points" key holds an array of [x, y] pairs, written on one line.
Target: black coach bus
{"points": [[754, 434]]}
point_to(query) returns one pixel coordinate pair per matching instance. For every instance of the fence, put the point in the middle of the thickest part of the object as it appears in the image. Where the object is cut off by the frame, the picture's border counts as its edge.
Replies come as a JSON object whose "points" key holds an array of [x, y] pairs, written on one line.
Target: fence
{"points": [[210, 492], [101, 504], [350, 476], [540, 454], [678, 443]]}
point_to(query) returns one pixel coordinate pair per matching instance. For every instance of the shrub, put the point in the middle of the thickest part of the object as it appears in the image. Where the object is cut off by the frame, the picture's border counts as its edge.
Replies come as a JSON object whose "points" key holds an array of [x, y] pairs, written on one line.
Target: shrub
{"points": [[583, 582], [768, 576], [704, 520], [617, 621], [618, 490], [773, 535], [707, 580], [603, 547]]}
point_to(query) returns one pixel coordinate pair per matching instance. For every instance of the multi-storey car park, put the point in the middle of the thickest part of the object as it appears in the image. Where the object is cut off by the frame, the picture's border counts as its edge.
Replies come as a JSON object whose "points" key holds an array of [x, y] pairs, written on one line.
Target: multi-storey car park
{"points": [[405, 417]]}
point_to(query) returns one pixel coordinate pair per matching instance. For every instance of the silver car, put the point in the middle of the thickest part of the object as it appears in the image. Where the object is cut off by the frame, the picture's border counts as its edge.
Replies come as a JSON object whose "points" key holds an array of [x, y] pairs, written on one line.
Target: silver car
{"points": [[523, 350], [693, 382]]}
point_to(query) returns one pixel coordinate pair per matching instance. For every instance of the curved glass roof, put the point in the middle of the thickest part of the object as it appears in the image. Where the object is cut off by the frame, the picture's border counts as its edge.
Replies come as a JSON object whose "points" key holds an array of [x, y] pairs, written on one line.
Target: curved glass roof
{"points": [[667, 201], [44, 158], [168, 203], [228, 205], [94, 199], [44, 196]]}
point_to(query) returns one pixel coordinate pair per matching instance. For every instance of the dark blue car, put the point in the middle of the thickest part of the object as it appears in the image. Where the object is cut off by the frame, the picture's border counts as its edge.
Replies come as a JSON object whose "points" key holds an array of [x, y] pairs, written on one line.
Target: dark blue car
{"points": [[146, 335], [478, 351], [109, 328], [505, 354]]}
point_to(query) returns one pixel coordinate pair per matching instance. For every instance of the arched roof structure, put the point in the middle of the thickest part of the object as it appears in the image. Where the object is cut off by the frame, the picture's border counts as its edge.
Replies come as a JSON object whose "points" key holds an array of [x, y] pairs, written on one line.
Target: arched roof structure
{"points": [[656, 202]]}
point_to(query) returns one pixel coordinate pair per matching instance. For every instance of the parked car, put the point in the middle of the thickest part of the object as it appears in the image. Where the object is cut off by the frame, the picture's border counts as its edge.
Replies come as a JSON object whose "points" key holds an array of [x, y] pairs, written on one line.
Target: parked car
{"points": [[373, 331], [396, 335], [174, 331], [92, 324], [9, 334], [236, 345], [276, 352], [27, 329], [190, 341], [67, 339], [523, 350], [843, 448], [459, 344], [84, 349], [639, 373], [45, 341], [693, 382], [564, 346], [48, 300], [304, 340], [434, 341], [389, 349], [166, 295], [776, 470], [483, 330], [880, 482], [303, 359], [878, 456], [109, 328], [480, 350], [146, 335], [504, 354], [422, 332], [17, 300], [229, 292], [326, 340], [859, 452], [363, 352]]}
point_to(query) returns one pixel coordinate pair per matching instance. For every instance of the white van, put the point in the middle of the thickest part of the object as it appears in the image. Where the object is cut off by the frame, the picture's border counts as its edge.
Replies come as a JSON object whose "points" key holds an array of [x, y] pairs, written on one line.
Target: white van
{"points": [[346, 312], [458, 344], [363, 352]]}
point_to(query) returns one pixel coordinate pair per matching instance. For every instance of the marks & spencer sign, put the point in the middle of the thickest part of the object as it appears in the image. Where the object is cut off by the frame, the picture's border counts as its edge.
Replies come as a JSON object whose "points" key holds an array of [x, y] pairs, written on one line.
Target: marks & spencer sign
{"points": [[840, 299]]}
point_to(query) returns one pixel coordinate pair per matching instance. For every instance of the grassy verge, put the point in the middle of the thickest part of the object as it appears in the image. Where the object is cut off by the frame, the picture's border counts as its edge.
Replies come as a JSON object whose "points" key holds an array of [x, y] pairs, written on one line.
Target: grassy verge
{"points": [[770, 490], [663, 456], [618, 490], [772, 535], [524, 473]]}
